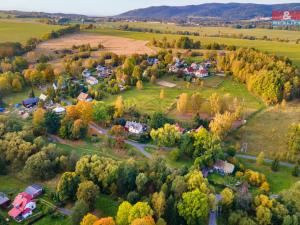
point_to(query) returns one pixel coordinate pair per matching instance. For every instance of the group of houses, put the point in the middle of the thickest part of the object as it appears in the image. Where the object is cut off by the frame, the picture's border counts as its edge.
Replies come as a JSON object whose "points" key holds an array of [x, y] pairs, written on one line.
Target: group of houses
{"points": [[101, 72], [198, 70], [24, 203]]}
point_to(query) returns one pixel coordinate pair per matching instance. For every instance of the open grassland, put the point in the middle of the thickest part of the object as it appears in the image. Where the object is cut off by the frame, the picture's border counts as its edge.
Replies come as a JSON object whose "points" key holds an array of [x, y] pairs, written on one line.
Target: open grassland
{"points": [[210, 31], [279, 180], [18, 97], [290, 50], [147, 100], [267, 130], [17, 31]]}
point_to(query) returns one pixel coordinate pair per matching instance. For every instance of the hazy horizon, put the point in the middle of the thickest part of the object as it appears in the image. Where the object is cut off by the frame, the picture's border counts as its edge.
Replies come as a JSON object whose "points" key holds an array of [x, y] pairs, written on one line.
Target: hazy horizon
{"points": [[101, 8]]}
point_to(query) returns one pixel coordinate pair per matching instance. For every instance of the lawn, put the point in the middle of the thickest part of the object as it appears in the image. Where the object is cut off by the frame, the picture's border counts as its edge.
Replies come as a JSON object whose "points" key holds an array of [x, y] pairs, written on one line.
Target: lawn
{"points": [[20, 31], [278, 181], [86, 147], [266, 131], [290, 50], [18, 97], [106, 206], [146, 100]]}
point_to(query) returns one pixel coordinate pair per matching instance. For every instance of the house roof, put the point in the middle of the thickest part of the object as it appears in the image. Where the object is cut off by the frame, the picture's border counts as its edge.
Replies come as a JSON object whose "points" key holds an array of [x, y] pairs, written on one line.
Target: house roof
{"points": [[34, 189], [224, 165], [134, 125], [19, 204], [3, 198], [82, 96], [43, 97], [30, 101]]}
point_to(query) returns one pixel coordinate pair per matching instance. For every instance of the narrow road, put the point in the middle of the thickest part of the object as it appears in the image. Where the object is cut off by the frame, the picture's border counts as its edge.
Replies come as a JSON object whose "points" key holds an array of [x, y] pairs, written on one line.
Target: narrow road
{"points": [[140, 147], [290, 165], [66, 212]]}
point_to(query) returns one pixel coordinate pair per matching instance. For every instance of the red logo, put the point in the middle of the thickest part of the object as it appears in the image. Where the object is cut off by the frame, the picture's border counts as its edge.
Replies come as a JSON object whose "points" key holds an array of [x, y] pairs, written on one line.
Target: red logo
{"points": [[286, 15]]}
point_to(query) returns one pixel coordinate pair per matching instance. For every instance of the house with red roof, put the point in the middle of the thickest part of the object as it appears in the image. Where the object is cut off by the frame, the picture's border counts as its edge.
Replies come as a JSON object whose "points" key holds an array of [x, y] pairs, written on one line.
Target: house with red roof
{"points": [[201, 73], [23, 205]]}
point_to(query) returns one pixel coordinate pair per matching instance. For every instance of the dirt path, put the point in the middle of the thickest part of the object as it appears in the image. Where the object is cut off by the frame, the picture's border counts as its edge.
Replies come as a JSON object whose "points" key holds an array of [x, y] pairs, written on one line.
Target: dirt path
{"points": [[118, 45]]}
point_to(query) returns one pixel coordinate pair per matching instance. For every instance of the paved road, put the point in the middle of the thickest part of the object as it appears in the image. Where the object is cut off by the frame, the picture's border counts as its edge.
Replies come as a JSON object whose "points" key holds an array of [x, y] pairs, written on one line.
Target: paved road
{"points": [[290, 165], [66, 212], [140, 147], [212, 218]]}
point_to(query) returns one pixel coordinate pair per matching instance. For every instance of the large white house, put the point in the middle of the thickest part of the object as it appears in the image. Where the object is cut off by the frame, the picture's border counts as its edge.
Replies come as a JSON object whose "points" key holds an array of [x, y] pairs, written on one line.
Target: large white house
{"points": [[134, 127]]}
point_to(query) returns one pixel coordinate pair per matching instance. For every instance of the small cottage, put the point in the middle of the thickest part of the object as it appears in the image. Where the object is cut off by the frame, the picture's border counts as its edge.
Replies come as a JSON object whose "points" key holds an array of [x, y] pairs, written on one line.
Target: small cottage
{"points": [[223, 167], [135, 128], [84, 97], [30, 102]]}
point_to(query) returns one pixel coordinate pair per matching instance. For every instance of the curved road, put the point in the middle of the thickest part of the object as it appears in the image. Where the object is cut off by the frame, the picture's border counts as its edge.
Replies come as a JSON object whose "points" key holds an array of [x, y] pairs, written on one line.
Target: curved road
{"points": [[141, 147]]}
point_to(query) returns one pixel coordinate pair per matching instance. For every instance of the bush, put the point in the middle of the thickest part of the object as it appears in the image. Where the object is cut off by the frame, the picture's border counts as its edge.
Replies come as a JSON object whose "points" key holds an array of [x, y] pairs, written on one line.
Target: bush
{"points": [[295, 171], [175, 154], [275, 165]]}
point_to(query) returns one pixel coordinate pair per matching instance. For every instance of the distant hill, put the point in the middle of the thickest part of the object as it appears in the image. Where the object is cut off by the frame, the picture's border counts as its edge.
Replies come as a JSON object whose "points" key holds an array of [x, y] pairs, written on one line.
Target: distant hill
{"points": [[229, 11]]}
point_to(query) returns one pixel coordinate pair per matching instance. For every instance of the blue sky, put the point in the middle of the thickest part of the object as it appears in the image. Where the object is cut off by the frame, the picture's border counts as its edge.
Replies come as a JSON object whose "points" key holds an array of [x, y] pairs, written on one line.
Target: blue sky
{"points": [[105, 7]]}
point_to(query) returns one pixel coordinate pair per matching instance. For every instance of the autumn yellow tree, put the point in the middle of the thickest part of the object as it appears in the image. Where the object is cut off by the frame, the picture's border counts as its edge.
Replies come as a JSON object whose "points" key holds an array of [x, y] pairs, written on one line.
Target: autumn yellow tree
{"points": [[16, 84], [85, 110], [119, 107], [89, 219], [222, 124], [139, 85], [105, 221], [215, 103], [162, 94], [159, 203], [227, 197], [147, 220], [38, 120], [260, 158], [183, 103], [196, 101]]}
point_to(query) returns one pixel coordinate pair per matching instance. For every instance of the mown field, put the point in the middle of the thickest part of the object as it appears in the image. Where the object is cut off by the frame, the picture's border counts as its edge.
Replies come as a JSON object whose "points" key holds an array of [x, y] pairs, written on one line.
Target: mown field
{"points": [[267, 130], [147, 100], [290, 50], [210, 31], [19, 31]]}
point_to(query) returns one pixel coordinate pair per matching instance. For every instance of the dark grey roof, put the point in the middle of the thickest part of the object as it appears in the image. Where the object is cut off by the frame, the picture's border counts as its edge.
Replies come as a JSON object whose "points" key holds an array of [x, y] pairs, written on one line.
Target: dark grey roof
{"points": [[3, 198], [30, 101], [33, 189]]}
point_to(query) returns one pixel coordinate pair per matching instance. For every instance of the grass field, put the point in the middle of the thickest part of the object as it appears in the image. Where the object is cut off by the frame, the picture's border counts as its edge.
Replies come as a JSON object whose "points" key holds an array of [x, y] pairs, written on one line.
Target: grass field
{"points": [[267, 130], [146, 100], [290, 50], [210, 31], [279, 180], [18, 97], [17, 31]]}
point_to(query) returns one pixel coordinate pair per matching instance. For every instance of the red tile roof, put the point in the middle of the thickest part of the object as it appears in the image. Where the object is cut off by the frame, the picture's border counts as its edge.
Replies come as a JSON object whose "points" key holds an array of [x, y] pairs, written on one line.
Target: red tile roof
{"points": [[19, 204]]}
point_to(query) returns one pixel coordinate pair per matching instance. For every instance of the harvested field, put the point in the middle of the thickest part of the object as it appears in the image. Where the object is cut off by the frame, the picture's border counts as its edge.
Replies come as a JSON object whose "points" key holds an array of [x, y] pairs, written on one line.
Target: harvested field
{"points": [[118, 45]]}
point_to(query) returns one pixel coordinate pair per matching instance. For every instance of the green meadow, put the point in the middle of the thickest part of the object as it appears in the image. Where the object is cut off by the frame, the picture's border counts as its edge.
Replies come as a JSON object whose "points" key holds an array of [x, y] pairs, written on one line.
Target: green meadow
{"points": [[290, 50], [20, 31], [210, 31], [146, 100]]}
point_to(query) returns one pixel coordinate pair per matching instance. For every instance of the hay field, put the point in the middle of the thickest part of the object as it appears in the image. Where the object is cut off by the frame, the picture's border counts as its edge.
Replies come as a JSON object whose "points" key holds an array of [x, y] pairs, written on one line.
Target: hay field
{"points": [[118, 45], [290, 50]]}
